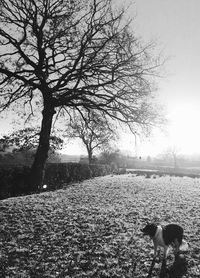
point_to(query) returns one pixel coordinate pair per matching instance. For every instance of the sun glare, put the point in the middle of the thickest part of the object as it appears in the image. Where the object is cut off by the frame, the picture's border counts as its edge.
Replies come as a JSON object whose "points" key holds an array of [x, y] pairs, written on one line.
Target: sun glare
{"points": [[184, 128], [182, 132]]}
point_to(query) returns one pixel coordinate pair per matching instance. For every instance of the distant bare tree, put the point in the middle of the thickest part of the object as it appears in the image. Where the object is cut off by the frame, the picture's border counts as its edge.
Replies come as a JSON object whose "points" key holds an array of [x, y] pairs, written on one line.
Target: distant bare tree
{"points": [[74, 55], [172, 153], [94, 130]]}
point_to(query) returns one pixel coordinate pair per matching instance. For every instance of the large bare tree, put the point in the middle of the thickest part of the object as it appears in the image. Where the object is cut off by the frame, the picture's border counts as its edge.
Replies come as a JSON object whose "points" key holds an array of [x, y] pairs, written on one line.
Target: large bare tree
{"points": [[74, 54]]}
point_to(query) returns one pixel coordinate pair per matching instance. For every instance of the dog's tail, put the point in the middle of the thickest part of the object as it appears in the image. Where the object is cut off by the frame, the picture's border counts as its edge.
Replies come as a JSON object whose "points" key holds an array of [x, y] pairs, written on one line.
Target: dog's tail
{"points": [[184, 247]]}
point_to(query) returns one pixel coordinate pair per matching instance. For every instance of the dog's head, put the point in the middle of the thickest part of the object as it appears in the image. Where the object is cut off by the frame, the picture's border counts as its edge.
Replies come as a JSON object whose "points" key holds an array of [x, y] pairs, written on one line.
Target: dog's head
{"points": [[149, 230]]}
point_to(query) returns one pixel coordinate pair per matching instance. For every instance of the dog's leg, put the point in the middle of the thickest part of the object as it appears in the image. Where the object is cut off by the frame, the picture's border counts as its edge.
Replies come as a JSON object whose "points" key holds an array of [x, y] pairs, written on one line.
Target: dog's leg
{"points": [[155, 250], [165, 252], [177, 246], [163, 269]]}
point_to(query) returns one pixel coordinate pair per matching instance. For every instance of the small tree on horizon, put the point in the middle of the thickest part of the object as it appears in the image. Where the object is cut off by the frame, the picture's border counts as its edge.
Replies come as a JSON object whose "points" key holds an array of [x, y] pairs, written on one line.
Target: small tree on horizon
{"points": [[113, 157], [73, 55]]}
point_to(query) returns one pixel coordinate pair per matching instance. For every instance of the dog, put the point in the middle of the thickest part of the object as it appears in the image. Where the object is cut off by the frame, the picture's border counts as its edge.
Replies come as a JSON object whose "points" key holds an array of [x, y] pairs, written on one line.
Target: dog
{"points": [[171, 234]]}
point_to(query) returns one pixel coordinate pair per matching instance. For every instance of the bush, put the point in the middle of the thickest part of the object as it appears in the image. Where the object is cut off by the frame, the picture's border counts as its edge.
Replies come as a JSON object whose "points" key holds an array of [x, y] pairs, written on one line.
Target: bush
{"points": [[14, 179]]}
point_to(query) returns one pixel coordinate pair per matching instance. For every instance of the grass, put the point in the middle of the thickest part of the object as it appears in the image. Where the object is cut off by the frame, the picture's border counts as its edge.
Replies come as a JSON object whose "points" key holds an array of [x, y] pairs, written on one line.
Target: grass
{"points": [[92, 229]]}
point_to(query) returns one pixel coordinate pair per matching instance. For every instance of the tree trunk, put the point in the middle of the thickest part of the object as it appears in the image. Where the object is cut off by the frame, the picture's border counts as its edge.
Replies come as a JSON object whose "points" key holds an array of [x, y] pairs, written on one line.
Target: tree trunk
{"points": [[38, 166], [89, 150], [90, 160]]}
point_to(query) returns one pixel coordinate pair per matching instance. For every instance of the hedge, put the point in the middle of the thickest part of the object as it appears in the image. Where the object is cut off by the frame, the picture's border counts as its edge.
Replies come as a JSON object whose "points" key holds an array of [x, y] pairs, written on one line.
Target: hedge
{"points": [[59, 174], [14, 179]]}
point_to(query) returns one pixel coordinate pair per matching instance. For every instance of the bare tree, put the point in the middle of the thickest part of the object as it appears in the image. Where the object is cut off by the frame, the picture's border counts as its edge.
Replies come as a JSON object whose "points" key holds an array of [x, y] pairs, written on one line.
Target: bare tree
{"points": [[173, 153], [73, 54], [94, 130]]}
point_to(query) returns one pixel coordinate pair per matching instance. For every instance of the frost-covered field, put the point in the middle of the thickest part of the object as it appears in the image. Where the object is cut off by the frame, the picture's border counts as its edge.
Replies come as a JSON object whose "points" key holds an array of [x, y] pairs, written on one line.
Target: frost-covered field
{"points": [[92, 229]]}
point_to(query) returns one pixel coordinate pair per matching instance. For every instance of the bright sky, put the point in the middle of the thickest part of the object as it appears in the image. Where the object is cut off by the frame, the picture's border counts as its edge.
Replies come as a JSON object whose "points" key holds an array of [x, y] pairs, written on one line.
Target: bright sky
{"points": [[175, 25]]}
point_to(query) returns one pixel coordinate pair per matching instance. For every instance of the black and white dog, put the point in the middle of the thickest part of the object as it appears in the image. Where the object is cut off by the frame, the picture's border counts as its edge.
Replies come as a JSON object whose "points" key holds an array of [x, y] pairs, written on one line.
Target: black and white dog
{"points": [[171, 234]]}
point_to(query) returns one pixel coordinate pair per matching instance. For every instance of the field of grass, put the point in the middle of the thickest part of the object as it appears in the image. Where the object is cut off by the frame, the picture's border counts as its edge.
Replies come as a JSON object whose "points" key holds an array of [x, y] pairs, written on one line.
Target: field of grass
{"points": [[92, 229]]}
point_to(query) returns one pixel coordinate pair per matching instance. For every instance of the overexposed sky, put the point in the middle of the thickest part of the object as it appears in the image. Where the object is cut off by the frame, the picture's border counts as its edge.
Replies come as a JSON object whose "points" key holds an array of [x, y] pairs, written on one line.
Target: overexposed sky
{"points": [[175, 26]]}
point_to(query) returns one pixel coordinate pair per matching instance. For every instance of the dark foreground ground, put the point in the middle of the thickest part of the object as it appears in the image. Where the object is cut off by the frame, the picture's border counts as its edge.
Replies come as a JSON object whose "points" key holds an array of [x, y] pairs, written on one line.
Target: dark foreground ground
{"points": [[92, 229]]}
